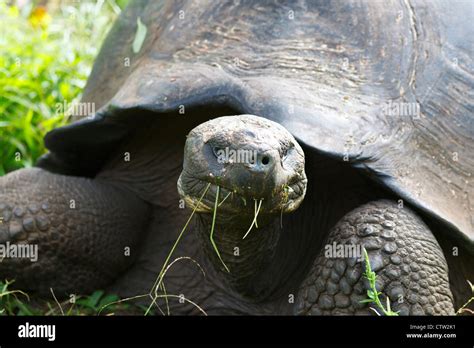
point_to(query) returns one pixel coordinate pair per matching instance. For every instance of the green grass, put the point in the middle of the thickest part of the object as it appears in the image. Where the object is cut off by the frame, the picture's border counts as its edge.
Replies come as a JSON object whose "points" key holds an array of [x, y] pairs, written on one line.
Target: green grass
{"points": [[12, 302], [46, 59], [17, 302]]}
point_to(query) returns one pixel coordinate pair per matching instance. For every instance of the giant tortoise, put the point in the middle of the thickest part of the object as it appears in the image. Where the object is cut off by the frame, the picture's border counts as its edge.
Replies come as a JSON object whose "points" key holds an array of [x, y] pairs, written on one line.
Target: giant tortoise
{"points": [[356, 122]]}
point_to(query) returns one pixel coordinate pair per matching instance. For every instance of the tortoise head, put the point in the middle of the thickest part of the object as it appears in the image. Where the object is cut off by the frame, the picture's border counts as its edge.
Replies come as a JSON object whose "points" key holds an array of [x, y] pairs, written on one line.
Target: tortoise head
{"points": [[242, 169], [249, 159]]}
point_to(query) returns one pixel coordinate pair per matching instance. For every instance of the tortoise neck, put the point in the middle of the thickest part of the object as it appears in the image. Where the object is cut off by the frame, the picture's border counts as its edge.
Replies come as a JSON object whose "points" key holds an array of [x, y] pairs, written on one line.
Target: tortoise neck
{"points": [[247, 259]]}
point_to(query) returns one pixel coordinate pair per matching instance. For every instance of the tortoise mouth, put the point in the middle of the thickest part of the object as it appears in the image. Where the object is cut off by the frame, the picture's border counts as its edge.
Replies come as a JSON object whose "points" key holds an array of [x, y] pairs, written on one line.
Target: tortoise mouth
{"points": [[232, 200]]}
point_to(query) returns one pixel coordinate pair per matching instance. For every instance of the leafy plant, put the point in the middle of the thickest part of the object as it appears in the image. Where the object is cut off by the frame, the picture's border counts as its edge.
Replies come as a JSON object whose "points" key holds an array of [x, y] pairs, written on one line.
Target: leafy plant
{"points": [[97, 300], [372, 293]]}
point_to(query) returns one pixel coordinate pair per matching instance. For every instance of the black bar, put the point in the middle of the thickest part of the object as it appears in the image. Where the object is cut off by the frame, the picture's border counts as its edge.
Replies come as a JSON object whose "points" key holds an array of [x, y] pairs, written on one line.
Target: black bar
{"points": [[256, 330]]}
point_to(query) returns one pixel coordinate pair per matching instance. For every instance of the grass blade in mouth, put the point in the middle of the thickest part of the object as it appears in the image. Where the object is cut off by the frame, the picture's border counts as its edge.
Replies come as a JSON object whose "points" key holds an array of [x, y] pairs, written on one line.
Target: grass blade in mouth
{"points": [[225, 198], [158, 281], [212, 229], [254, 221], [255, 212]]}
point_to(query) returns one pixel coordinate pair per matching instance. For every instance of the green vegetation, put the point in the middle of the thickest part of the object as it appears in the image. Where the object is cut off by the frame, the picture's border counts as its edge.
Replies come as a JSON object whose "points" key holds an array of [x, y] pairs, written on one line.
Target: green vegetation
{"points": [[45, 61], [16, 302], [11, 301], [372, 293]]}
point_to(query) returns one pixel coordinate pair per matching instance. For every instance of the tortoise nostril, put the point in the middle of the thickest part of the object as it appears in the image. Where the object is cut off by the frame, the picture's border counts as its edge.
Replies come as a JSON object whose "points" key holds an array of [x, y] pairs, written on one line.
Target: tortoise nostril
{"points": [[265, 160]]}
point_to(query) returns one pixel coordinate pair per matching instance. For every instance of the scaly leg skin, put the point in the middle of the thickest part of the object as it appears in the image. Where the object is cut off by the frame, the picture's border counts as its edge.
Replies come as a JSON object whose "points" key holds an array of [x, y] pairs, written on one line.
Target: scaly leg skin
{"points": [[408, 261], [86, 231]]}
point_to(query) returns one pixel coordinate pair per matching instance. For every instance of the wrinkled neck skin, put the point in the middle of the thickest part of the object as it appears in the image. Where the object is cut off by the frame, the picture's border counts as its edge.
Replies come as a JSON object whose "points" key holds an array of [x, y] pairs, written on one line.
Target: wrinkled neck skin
{"points": [[247, 259]]}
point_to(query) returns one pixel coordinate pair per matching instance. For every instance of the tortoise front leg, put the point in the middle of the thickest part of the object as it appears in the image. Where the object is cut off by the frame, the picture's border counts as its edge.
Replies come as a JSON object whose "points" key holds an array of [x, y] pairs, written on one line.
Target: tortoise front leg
{"points": [[86, 231], [408, 261]]}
